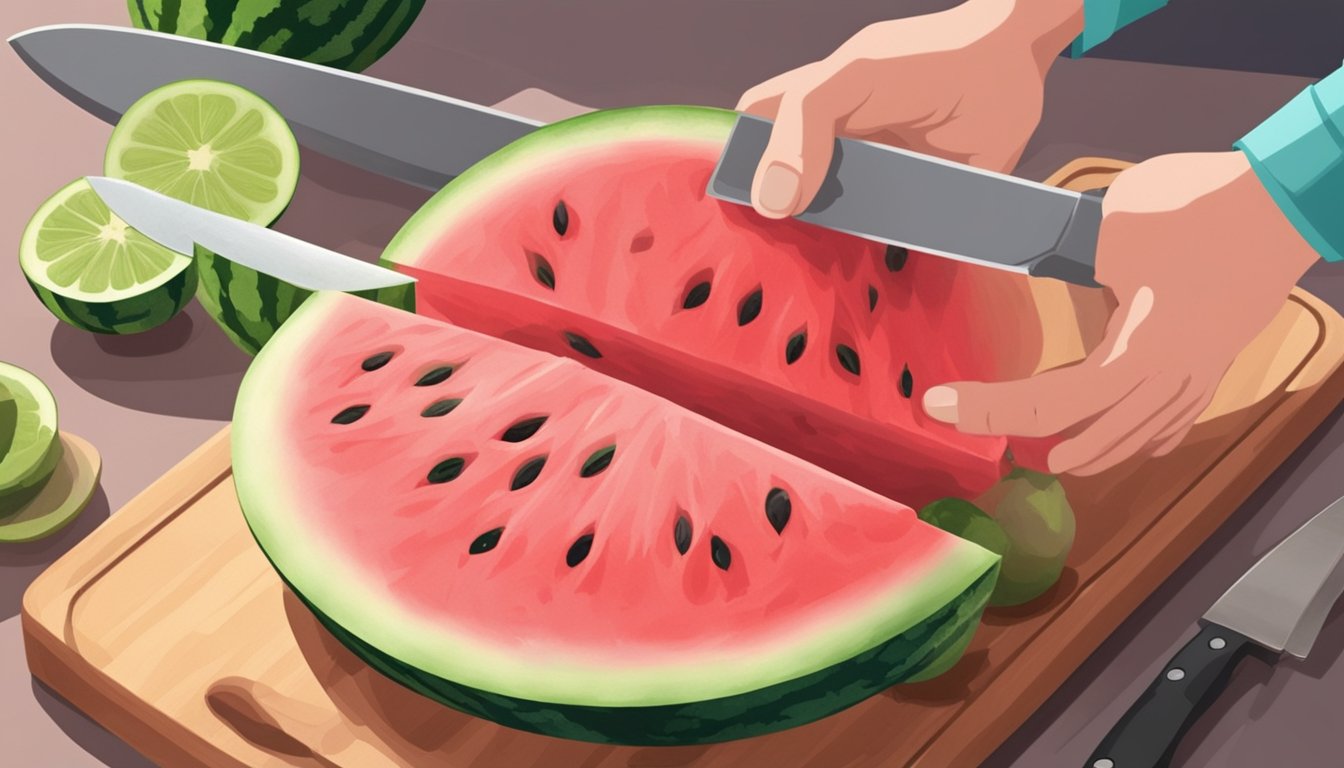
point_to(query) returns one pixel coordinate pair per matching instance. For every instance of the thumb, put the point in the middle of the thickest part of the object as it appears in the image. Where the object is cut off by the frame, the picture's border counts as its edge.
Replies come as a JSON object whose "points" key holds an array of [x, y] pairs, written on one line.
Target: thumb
{"points": [[1042, 405], [799, 152]]}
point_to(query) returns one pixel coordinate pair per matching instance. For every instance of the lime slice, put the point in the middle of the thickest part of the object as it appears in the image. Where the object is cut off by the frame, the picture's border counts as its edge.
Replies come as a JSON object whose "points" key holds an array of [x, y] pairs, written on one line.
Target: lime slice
{"points": [[63, 496], [212, 144], [94, 272], [29, 450]]}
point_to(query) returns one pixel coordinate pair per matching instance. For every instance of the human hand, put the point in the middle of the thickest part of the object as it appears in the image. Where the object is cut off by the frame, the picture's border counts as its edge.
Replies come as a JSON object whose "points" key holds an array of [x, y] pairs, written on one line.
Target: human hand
{"points": [[1200, 260], [964, 84]]}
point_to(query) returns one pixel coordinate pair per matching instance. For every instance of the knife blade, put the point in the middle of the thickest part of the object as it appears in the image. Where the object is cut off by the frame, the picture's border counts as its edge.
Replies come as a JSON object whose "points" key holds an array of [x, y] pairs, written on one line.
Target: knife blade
{"points": [[1280, 604], [180, 226], [934, 205], [416, 136]]}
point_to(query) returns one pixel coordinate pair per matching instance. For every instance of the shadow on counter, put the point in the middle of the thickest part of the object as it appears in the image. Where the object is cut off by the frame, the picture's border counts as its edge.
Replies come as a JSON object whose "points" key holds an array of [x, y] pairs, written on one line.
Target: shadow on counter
{"points": [[21, 563], [186, 367]]}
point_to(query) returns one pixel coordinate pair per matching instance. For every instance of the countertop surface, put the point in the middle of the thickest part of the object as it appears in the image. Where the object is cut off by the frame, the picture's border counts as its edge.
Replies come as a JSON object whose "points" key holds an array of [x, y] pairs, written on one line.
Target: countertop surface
{"points": [[146, 401]]}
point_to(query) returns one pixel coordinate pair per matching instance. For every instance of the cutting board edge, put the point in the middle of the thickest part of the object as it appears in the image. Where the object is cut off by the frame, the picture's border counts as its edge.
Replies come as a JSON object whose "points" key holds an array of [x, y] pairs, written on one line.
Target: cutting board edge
{"points": [[1224, 486]]}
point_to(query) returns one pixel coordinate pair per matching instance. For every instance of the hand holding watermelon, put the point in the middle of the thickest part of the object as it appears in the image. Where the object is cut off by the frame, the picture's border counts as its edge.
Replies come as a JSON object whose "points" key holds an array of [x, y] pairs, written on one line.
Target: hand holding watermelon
{"points": [[1197, 253]]}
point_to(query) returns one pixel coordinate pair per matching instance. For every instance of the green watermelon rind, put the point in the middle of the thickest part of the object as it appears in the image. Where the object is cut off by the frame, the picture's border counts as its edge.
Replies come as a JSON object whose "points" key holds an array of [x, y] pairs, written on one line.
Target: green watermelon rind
{"points": [[352, 35], [957, 575], [455, 201], [249, 306], [919, 653]]}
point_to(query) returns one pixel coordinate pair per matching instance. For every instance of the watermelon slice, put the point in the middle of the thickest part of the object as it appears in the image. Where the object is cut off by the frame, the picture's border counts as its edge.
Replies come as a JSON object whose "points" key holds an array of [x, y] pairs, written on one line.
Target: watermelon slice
{"points": [[530, 541], [594, 238]]}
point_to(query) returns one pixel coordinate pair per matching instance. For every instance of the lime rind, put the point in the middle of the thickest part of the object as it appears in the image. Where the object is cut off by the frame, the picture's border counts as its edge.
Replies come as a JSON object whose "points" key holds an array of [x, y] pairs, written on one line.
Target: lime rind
{"points": [[31, 449], [209, 143], [76, 247]]}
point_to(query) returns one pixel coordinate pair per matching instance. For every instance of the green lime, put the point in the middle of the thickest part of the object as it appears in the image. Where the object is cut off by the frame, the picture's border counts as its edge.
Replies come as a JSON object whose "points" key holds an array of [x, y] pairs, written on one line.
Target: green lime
{"points": [[61, 498], [29, 450], [94, 272], [1035, 515], [966, 520], [212, 144]]}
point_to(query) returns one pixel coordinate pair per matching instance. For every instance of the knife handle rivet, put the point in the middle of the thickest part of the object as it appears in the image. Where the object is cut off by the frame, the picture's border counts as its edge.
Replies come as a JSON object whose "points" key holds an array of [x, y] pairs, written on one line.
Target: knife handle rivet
{"points": [[1217, 643], [1176, 674], [1104, 762]]}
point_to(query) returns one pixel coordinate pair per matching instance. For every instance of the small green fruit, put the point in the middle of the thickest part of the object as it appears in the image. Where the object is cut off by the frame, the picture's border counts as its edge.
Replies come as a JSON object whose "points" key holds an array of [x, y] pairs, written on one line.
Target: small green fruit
{"points": [[1035, 516]]}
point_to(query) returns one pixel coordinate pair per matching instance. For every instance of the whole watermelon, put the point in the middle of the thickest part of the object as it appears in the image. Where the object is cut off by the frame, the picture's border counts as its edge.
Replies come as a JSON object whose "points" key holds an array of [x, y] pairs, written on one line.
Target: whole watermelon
{"points": [[349, 34]]}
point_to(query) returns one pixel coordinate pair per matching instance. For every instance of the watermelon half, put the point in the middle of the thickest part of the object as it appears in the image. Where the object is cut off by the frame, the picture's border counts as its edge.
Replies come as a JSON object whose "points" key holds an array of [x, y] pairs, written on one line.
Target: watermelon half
{"points": [[594, 238], [530, 541]]}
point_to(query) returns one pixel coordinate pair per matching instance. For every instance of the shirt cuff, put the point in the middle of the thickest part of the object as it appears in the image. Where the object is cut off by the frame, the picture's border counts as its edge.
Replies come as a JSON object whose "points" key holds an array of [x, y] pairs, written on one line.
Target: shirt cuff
{"points": [[1101, 19], [1298, 154]]}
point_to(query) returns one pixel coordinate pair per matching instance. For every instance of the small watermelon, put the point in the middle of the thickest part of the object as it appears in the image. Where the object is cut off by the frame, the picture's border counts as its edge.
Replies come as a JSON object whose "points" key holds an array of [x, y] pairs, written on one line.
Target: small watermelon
{"points": [[594, 238], [349, 34], [532, 542]]}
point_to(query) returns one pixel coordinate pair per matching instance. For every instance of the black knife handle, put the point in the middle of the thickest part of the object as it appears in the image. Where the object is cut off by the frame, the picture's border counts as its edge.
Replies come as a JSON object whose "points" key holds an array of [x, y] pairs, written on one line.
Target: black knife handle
{"points": [[1148, 733]]}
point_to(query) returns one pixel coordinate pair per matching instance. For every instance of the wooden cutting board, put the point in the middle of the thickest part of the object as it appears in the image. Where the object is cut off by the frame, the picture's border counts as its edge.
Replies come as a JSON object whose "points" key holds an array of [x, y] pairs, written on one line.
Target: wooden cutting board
{"points": [[168, 626]]}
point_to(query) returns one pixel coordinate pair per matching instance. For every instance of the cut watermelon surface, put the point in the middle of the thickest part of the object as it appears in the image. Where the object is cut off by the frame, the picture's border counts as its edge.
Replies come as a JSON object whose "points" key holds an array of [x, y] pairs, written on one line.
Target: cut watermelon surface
{"points": [[594, 238], [528, 540]]}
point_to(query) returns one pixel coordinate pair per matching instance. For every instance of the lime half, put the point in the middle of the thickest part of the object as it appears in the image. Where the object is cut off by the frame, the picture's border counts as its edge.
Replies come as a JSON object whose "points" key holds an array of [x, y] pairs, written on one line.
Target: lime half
{"points": [[212, 144], [29, 448], [94, 272]]}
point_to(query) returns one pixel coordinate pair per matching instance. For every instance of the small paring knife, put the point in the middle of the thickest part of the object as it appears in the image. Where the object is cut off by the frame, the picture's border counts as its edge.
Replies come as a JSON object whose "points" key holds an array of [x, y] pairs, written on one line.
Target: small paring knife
{"points": [[937, 206], [1280, 605], [181, 226]]}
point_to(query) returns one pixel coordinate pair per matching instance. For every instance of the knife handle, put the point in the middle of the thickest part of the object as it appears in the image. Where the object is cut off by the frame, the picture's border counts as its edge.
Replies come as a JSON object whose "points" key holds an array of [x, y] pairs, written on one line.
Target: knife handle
{"points": [[1074, 257], [1148, 733]]}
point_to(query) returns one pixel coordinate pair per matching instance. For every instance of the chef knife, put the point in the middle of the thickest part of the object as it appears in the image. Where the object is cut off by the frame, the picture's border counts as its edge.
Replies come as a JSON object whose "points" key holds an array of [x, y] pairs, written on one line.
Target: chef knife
{"points": [[893, 196], [179, 226], [411, 135], [1280, 604], [938, 206]]}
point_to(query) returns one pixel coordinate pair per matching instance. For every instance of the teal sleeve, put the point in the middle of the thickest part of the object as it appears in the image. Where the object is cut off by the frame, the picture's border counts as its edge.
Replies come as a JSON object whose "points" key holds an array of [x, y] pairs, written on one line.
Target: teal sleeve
{"points": [[1101, 19], [1298, 154]]}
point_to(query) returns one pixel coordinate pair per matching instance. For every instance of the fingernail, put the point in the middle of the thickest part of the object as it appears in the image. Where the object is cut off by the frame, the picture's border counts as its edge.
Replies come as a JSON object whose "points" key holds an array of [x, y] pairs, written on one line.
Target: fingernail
{"points": [[941, 404], [779, 189]]}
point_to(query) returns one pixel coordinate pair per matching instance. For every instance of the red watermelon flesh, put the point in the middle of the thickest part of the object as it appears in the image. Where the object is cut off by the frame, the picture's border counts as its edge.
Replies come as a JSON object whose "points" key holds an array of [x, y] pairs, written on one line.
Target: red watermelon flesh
{"points": [[595, 239], [531, 541]]}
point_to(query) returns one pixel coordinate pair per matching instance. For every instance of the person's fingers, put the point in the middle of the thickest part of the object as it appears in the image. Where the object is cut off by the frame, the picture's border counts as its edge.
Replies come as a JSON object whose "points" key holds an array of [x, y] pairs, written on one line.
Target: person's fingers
{"points": [[1168, 444], [763, 100], [1121, 431], [798, 155], [1000, 159], [1041, 405]]}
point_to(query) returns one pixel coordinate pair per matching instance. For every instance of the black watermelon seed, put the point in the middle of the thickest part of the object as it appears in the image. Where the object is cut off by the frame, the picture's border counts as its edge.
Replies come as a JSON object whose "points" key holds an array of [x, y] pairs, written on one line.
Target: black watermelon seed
{"points": [[582, 345], [698, 295], [907, 382], [560, 218], [375, 362], [542, 270], [527, 473], [598, 462], [681, 534], [896, 256], [522, 430], [436, 376], [794, 349], [778, 508], [849, 359], [749, 308], [350, 415], [441, 407], [486, 541], [579, 550], [448, 469], [872, 298], [718, 552]]}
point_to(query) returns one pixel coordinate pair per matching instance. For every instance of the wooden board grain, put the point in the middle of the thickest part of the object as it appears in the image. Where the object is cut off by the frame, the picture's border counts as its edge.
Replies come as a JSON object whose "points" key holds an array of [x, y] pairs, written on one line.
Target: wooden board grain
{"points": [[168, 626]]}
